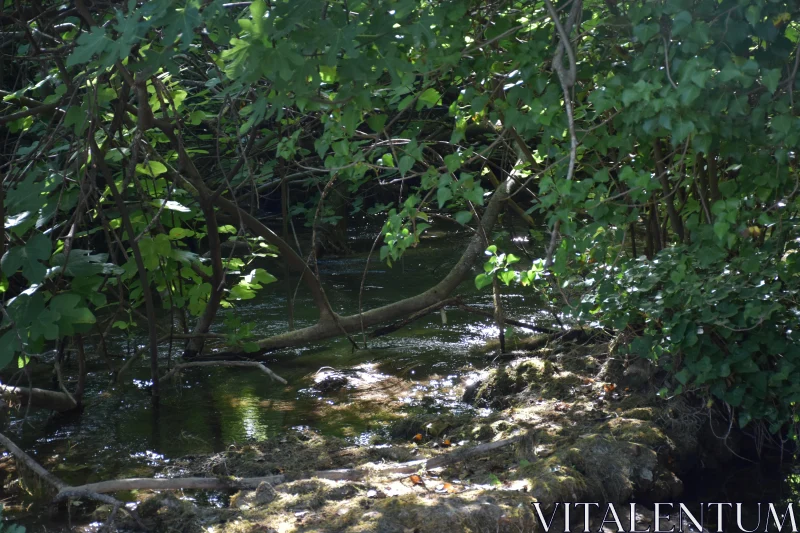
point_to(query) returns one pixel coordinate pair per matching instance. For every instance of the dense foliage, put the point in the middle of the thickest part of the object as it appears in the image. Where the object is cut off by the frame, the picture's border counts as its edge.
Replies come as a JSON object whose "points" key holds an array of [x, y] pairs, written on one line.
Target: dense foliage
{"points": [[651, 146]]}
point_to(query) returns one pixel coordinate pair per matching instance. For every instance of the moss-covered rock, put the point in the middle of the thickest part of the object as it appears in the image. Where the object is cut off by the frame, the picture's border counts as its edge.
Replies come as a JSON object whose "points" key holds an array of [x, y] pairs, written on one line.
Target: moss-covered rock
{"points": [[165, 512], [641, 413], [561, 386], [533, 371], [554, 479], [523, 374], [638, 431], [492, 392]]}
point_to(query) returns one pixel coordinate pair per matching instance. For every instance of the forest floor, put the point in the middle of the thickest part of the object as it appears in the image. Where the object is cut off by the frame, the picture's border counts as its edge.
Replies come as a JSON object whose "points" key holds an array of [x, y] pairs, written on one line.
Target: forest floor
{"points": [[579, 422]]}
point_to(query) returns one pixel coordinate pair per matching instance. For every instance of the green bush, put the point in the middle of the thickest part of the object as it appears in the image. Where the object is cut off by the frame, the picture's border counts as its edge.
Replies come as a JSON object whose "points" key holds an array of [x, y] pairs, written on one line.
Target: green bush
{"points": [[724, 326]]}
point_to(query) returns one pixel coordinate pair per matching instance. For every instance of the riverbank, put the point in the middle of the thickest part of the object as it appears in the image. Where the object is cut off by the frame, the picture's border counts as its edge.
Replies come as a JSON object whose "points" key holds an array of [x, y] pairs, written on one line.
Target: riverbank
{"points": [[564, 422]]}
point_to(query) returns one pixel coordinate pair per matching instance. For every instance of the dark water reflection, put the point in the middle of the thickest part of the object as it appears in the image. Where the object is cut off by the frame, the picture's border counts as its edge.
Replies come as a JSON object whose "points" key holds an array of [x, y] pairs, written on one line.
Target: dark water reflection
{"points": [[121, 434]]}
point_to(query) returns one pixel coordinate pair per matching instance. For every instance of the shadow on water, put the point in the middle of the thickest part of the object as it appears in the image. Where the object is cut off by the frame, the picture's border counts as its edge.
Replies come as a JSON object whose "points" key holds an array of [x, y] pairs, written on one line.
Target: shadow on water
{"points": [[120, 434], [414, 370]]}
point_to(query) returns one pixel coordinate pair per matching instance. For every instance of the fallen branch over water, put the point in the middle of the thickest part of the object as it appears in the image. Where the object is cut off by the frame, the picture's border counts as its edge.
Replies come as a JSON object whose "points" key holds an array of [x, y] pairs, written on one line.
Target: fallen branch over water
{"points": [[250, 483], [65, 491], [456, 302], [250, 364], [178, 483], [99, 491], [38, 398]]}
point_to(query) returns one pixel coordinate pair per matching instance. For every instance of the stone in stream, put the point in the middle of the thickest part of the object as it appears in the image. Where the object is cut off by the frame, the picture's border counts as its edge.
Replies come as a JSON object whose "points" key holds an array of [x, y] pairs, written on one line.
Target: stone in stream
{"points": [[330, 382]]}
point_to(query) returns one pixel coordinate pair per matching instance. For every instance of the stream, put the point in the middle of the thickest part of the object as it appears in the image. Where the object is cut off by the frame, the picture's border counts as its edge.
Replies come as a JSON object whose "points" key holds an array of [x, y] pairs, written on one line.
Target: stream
{"points": [[120, 434]]}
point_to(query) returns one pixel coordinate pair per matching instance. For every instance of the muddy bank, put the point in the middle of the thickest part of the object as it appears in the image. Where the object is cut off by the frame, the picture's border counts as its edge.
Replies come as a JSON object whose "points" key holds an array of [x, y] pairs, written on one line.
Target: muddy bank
{"points": [[583, 424]]}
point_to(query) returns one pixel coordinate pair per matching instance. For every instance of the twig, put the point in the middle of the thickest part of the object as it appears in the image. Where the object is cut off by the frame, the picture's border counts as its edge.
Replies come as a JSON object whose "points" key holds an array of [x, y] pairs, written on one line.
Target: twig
{"points": [[465, 453], [567, 79], [489, 314], [666, 62], [250, 364], [64, 490], [385, 330]]}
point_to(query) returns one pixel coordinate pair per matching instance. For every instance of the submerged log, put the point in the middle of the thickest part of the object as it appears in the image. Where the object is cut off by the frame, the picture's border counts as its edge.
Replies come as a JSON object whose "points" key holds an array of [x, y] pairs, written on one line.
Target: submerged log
{"points": [[37, 398]]}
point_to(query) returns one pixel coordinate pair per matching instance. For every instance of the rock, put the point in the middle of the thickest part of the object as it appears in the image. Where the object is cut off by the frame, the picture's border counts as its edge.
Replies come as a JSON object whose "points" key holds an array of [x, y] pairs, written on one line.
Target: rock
{"points": [[330, 382], [638, 372], [471, 391], [482, 432], [666, 487], [544, 450], [260, 528], [342, 493], [511, 379], [641, 413], [265, 493]]}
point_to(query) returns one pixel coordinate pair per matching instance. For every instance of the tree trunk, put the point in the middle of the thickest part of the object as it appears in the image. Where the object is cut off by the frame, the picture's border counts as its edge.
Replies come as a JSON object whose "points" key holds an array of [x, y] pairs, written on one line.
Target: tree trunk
{"points": [[327, 327], [37, 398]]}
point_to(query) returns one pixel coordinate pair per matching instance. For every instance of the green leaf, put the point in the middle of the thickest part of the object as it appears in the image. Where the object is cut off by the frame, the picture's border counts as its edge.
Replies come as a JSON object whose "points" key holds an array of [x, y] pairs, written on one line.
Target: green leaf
{"points": [[771, 78], [183, 22], [782, 123], [680, 22], [463, 217], [71, 313], [453, 162], [645, 32], [241, 292], [258, 8], [429, 97], [9, 346], [729, 72], [180, 233], [259, 275], [152, 168], [76, 117], [507, 276], [405, 102], [443, 194], [83, 264], [328, 75], [406, 163], [482, 280], [89, 44], [721, 229], [29, 258], [377, 122]]}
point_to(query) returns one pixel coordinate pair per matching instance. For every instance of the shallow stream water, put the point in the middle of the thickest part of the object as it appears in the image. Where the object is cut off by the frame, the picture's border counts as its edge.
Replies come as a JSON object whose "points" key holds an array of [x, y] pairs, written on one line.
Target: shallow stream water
{"points": [[120, 434]]}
